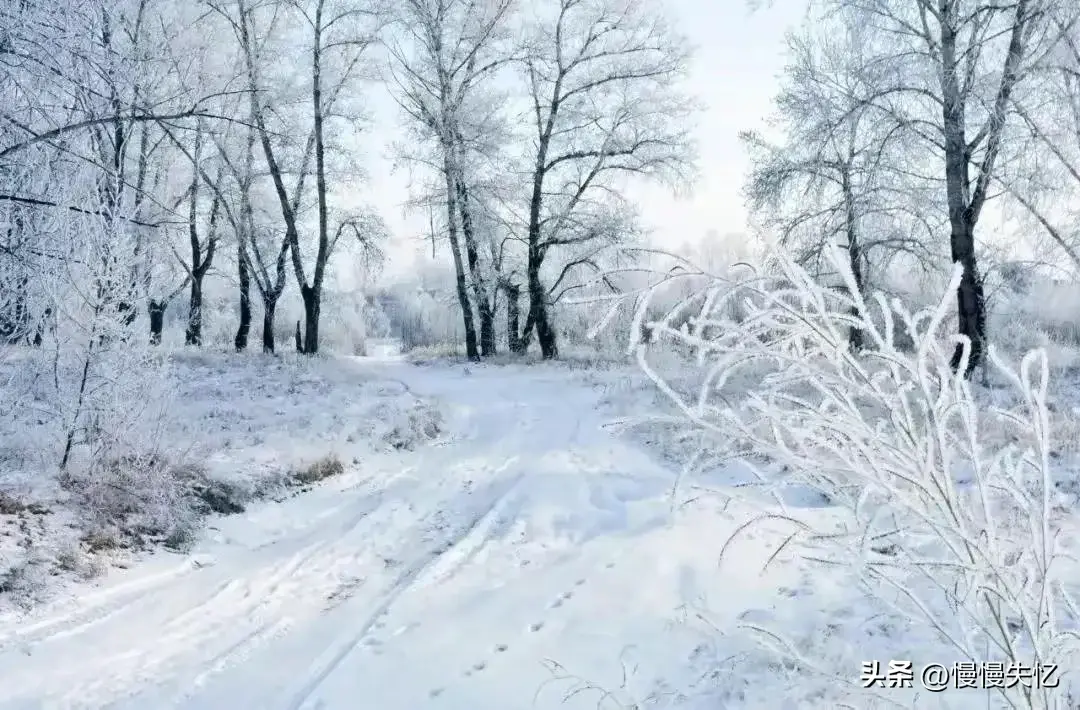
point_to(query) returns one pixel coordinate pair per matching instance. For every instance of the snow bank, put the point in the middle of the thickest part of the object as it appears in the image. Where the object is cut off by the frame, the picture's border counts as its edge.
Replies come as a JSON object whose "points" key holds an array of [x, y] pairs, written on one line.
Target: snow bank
{"points": [[234, 429]]}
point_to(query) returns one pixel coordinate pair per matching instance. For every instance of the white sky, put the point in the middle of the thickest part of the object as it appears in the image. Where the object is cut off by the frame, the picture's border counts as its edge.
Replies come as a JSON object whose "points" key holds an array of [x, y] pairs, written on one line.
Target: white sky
{"points": [[739, 58]]}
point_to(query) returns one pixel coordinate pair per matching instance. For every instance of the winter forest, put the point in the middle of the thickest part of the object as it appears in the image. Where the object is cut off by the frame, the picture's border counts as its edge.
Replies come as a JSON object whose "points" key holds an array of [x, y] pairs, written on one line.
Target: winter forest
{"points": [[272, 439]]}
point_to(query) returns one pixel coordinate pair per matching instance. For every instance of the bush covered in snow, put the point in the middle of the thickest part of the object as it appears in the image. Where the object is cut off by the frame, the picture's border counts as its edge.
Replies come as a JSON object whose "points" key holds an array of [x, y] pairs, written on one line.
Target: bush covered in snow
{"points": [[948, 515]]}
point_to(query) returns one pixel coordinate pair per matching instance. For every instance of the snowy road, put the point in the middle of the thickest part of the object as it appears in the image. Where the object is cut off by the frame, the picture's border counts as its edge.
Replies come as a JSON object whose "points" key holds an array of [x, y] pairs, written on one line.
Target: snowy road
{"points": [[441, 578]]}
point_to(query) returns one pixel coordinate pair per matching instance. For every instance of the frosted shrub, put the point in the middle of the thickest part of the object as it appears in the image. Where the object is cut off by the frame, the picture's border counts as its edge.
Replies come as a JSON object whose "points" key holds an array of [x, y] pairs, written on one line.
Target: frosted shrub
{"points": [[102, 394], [957, 531], [135, 500]]}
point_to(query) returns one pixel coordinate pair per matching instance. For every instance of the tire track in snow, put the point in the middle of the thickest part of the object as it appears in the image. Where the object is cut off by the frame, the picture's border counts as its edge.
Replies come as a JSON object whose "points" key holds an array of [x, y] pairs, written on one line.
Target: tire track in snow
{"points": [[98, 607], [226, 617], [315, 528], [240, 613], [458, 549]]}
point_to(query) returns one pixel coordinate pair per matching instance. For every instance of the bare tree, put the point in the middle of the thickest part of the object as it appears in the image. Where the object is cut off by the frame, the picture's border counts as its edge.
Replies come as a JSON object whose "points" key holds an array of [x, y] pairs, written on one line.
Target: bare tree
{"points": [[835, 182], [338, 33], [955, 66], [454, 46], [250, 263], [201, 251], [350, 28], [603, 81], [253, 239]]}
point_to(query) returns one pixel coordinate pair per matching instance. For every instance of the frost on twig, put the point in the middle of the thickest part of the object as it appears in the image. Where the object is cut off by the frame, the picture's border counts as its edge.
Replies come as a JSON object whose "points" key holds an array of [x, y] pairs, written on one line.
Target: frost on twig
{"points": [[943, 520]]}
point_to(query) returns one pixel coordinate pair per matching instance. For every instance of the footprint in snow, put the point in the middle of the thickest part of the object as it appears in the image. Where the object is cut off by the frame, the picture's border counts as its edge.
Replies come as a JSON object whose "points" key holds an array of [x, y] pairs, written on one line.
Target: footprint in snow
{"points": [[481, 665], [560, 600], [536, 626], [476, 668]]}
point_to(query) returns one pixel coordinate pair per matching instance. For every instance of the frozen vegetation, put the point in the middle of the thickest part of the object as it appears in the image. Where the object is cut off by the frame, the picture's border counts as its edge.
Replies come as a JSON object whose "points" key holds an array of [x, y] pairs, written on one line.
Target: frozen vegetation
{"points": [[555, 461]]}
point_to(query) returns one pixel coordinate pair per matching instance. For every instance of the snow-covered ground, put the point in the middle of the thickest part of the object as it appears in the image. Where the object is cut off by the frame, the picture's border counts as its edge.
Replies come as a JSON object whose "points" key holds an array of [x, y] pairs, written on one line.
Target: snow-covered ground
{"points": [[529, 556]]}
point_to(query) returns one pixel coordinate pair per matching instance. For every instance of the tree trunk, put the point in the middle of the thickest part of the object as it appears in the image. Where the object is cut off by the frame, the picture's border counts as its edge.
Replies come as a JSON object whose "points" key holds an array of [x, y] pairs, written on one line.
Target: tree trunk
{"points": [[455, 249], [312, 294], [156, 310], [269, 307], [970, 296], [193, 332], [545, 334], [299, 339], [244, 328], [483, 305], [855, 334], [527, 332], [970, 301], [311, 319], [513, 315], [538, 313]]}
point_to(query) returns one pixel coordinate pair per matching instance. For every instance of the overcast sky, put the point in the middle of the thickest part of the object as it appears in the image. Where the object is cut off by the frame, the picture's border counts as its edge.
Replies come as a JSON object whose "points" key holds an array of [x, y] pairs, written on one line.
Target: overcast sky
{"points": [[739, 57]]}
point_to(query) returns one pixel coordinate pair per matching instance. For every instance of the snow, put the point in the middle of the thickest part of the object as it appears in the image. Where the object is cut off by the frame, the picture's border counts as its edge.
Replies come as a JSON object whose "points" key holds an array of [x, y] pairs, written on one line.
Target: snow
{"points": [[530, 556]]}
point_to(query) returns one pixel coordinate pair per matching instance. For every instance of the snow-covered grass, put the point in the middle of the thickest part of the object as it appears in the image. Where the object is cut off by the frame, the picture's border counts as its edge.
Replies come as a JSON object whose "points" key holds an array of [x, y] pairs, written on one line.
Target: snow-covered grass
{"points": [[233, 429], [822, 610], [948, 508]]}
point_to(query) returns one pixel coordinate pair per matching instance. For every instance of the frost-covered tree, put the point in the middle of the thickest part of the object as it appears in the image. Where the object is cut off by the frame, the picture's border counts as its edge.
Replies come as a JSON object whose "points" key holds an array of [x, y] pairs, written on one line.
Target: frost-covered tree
{"points": [[837, 178], [451, 52], [949, 73], [604, 104], [337, 37]]}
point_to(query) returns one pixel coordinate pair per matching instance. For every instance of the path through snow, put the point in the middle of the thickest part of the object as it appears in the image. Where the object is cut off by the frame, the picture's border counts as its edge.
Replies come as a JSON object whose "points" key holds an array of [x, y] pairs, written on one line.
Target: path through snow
{"points": [[441, 578]]}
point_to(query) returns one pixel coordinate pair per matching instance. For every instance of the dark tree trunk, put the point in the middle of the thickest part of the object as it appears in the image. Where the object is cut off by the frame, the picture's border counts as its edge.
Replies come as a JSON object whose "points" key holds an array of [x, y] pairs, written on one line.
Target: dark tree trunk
{"points": [[193, 332], [156, 310], [269, 307], [471, 350], [311, 319], [455, 251], [483, 305], [970, 296], [513, 316], [488, 345], [855, 334], [244, 328], [963, 211], [299, 339], [538, 311], [527, 332], [966, 197]]}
